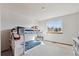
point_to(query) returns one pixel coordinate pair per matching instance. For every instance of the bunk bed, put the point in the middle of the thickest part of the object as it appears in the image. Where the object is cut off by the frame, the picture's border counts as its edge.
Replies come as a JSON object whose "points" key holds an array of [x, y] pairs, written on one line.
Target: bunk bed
{"points": [[20, 42]]}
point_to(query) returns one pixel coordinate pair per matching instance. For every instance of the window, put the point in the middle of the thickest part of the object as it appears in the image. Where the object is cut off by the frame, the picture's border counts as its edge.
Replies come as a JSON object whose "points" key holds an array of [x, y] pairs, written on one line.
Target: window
{"points": [[55, 27]]}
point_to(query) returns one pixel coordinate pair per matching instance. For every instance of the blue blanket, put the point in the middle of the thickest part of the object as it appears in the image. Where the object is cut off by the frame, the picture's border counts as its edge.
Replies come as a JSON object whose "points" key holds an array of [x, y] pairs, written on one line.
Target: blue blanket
{"points": [[32, 43]]}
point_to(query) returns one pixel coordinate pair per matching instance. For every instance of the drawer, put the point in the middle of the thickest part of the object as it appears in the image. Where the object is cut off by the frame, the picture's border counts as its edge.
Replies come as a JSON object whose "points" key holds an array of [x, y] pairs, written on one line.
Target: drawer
{"points": [[76, 52], [19, 50], [76, 45], [19, 42]]}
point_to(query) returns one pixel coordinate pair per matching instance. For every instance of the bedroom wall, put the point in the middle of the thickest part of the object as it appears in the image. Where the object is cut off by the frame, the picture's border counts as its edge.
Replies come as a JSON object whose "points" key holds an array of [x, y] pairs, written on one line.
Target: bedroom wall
{"points": [[0, 29], [9, 20], [70, 29], [78, 24]]}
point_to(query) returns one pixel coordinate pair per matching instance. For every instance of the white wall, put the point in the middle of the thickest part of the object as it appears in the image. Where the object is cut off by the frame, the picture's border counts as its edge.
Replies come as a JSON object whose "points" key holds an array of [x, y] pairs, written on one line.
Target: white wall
{"points": [[78, 24], [70, 30], [9, 20], [0, 29]]}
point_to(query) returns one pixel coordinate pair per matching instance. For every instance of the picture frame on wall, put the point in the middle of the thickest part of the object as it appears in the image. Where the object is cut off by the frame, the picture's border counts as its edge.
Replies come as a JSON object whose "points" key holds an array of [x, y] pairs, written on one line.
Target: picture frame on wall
{"points": [[55, 27]]}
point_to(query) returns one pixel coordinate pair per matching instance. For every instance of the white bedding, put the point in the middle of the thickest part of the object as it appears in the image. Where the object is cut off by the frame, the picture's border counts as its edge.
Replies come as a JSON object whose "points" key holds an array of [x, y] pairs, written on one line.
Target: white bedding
{"points": [[50, 50]]}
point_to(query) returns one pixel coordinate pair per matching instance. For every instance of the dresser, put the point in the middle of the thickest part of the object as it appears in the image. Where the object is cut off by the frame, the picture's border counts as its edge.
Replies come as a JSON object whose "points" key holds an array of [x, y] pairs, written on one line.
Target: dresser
{"points": [[76, 46]]}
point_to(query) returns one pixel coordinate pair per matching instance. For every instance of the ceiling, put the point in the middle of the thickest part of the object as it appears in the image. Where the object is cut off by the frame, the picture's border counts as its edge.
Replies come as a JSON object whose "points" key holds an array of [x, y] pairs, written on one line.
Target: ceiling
{"points": [[43, 11]]}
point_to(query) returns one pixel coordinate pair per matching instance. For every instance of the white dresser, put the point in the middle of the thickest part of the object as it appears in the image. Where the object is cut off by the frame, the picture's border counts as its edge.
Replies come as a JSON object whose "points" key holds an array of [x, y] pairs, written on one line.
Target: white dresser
{"points": [[76, 46]]}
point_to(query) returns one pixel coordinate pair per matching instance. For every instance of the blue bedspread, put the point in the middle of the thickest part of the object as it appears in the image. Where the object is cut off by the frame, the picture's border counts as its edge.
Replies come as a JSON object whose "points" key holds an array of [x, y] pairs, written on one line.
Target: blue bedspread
{"points": [[32, 43]]}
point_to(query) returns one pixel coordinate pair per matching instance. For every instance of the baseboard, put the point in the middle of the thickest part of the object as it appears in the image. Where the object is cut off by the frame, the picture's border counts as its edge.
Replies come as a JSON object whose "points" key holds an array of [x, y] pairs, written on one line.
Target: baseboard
{"points": [[59, 43], [6, 50]]}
